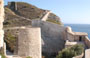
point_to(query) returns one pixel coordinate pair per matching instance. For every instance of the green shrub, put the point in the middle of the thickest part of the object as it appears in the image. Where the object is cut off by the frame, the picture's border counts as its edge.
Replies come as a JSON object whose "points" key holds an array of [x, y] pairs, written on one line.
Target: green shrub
{"points": [[71, 51], [28, 57], [10, 40], [54, 21], [2, 53]]}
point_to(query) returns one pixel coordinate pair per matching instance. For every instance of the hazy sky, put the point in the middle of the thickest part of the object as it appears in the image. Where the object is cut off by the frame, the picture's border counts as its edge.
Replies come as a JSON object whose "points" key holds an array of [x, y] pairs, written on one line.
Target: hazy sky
{"points": [[70, 11]]}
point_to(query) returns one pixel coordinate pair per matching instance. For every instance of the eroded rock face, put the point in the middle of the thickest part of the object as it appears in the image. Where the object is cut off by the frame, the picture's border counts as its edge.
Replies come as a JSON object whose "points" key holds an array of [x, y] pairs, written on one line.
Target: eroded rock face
{"points": [[1, 22]]}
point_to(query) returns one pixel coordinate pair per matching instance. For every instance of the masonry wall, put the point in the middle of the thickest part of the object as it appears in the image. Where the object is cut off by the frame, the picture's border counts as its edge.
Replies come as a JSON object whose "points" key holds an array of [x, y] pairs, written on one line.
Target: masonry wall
{"points": [[13, 6], [53, 36], [87, 53], [1, 22], [70, 36], [87, 42], [29, 42]]}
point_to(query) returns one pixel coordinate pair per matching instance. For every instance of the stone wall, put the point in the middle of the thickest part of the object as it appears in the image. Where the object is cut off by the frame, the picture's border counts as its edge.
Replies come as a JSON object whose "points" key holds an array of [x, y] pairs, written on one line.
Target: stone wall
{"points": [[75, 36], [1, 22], [12, 5], [29, 42], [53, 36], [70, 36], [87, 42], [69, 44], [87, 53]]}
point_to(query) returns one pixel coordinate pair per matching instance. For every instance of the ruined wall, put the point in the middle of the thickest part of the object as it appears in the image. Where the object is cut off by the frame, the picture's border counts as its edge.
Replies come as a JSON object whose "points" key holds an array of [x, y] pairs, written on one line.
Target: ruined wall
{"points": [[29, 42], [1, 22], [53, 36], [12, 5]]}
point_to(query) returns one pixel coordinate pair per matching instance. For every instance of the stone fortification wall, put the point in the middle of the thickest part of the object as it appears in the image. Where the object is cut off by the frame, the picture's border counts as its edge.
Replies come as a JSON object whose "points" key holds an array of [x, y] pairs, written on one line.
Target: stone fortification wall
{"points": [[75, 36], [87, 42], [1, 22], [87, 53], [53, 36], [69, 34], [13, 5], [29, 42]]}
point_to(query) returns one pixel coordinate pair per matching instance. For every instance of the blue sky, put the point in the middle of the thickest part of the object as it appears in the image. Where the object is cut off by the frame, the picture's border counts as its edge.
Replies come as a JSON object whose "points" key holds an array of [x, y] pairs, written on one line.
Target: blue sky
{"points": [[70, 11]]}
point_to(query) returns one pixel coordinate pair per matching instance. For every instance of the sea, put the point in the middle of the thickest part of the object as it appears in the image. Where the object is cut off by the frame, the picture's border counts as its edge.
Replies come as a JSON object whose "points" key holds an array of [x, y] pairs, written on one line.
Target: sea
{"points": [[80, 28]]}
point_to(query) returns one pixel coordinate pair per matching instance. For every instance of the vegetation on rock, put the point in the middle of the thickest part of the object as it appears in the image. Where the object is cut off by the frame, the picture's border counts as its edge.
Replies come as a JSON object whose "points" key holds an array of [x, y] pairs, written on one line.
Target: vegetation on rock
{"points": [[28, 57], [19, 18], [14, 18], [53, 21], [71, 51], [2, 53], [10, 39]]}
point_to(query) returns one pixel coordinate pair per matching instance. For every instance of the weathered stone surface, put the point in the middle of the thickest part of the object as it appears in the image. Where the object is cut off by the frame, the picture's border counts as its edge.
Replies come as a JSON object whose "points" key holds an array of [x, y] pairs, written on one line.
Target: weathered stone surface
{"points": [[87, 42], [75, 36], [52, 36], [69, 44], [1, 38], [1, 22], [12, 5], [29, 42], [87, 53]]}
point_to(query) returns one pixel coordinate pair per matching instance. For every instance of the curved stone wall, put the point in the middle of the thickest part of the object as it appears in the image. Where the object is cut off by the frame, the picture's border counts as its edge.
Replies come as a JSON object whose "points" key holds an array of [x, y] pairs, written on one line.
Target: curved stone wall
{"points": [[53, 36], [29, 42]]}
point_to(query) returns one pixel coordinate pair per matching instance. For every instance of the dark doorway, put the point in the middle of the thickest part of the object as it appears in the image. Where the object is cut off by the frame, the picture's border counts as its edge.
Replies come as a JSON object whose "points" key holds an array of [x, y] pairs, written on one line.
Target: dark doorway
{"points": [[80, 38]]}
